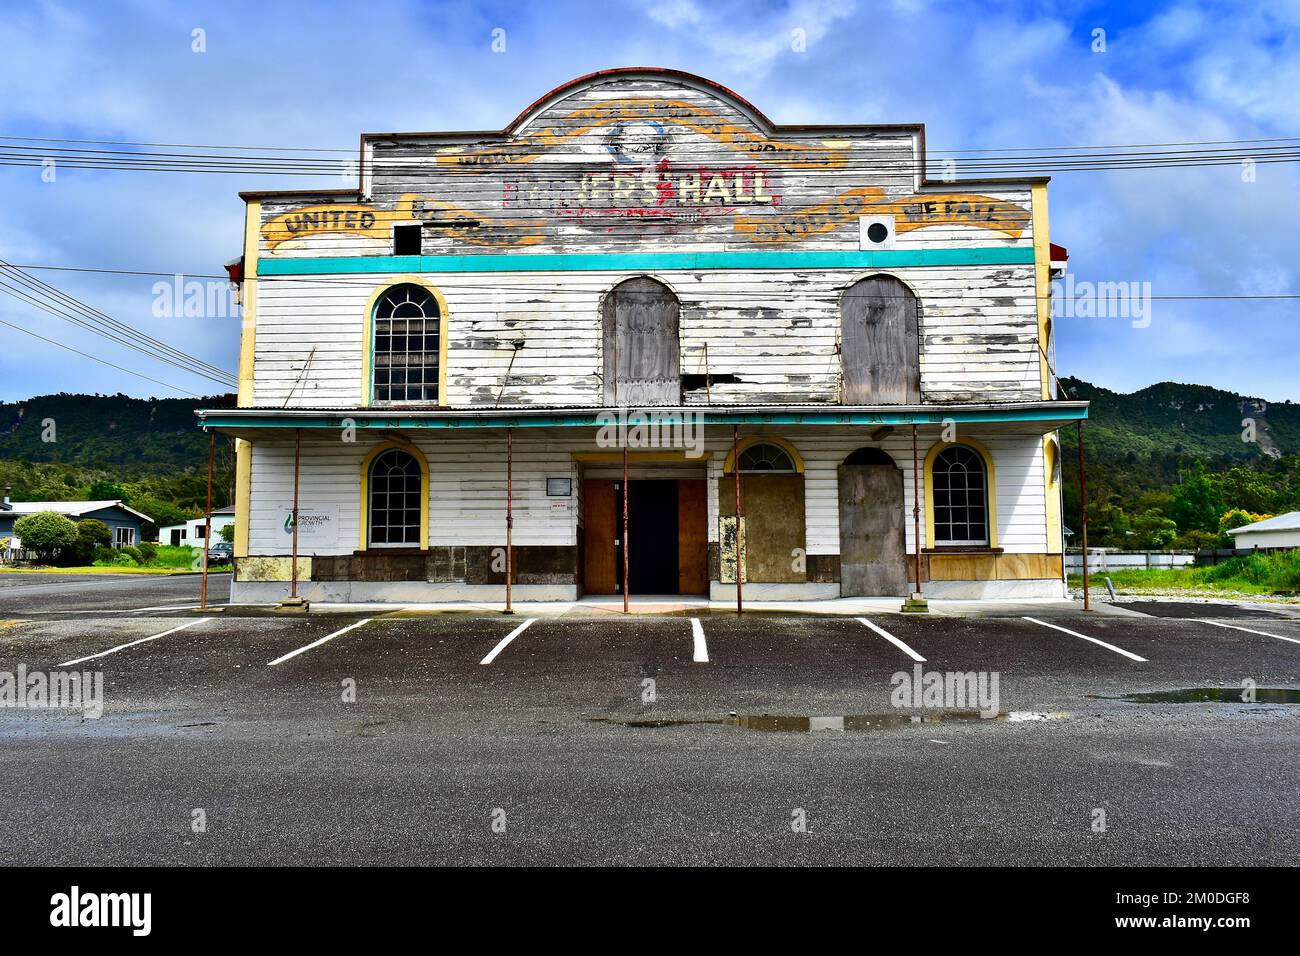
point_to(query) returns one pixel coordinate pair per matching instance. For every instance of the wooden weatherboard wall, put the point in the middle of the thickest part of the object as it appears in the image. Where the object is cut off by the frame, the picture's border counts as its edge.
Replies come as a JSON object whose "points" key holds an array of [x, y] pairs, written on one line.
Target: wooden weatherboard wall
{"points": [[757, 231]]}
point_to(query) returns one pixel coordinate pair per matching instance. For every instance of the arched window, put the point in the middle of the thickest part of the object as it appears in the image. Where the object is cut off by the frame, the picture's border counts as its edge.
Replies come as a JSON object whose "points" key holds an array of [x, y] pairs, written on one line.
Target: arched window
{"points": [[880, 352], [642, 352], [960, 497], [765, 458], [395, 492], [406, 345]]}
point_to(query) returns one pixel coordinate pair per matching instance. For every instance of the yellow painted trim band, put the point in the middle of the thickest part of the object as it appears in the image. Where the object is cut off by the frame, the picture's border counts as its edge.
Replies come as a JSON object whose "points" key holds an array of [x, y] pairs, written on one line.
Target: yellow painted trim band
{"points": [[990, 487], [364, 517], [368, 335], [1042, 281], [641, 456], [243, 494], [248, 304]]}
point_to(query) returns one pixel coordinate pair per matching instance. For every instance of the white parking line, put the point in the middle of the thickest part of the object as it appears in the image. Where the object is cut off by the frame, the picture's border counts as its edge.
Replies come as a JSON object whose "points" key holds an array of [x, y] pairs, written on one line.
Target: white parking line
{"points": [[1110, 647], [893, 640], [501, 645], [154, 637], [701, 648], [318, 643], [1249, 631]]}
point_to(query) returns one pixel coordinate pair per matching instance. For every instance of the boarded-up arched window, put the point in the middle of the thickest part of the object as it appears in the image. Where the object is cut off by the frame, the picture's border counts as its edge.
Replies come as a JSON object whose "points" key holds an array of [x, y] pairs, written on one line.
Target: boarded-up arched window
{"points": [[881, 353], [642, 356]]}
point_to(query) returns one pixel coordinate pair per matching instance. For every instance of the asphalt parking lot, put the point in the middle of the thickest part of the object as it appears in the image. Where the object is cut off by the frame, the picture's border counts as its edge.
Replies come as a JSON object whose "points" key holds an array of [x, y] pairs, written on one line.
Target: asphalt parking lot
{"points": [[383, 737]]}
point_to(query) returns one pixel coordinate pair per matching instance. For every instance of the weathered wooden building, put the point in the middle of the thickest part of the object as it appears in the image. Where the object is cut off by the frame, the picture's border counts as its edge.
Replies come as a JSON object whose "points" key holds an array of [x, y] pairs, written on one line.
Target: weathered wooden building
{"points": [[642, 264]]}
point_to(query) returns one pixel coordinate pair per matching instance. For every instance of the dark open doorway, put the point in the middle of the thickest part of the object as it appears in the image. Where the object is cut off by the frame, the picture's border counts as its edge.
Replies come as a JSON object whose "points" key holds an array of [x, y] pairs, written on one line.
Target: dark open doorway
{"points": [[652, 529]]}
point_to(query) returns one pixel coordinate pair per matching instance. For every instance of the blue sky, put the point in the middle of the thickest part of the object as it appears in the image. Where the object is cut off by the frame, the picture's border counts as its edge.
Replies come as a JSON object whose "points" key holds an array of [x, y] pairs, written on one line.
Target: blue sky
{"points": [[978, 75]]}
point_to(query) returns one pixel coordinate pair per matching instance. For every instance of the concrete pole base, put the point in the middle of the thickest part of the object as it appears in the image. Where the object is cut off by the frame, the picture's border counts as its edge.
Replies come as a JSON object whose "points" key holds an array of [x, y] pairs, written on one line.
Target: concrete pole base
{"points": [[916, 604]]}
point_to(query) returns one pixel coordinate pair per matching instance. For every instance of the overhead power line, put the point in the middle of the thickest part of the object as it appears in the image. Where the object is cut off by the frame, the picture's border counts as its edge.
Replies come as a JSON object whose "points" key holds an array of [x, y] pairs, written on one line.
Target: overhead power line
{"points": [[96, 358], [40, 294], [451, 283], [314, 161]]}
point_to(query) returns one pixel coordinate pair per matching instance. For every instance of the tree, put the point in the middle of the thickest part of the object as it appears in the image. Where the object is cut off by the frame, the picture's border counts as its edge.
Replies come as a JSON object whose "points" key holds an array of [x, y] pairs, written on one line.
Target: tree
{"points": [[91, 533], [1152, 530], [46, 533], [1197, 504], [104, 490], [227, 532]]}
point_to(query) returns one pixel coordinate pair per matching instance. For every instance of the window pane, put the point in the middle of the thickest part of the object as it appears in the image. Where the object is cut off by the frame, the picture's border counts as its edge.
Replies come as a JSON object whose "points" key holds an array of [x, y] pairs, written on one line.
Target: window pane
{"points": [[960, 502], [406, 349]]}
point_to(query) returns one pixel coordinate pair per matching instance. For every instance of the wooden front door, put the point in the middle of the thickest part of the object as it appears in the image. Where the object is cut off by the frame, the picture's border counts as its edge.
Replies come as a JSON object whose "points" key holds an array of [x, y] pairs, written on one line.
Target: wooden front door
{"points": [[873, 553], [692, 536], [599, 533]]}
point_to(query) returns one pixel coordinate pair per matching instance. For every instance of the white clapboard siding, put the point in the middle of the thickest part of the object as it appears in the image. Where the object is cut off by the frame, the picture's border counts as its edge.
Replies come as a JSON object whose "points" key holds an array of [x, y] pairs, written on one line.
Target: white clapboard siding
{"points": [[776, 331], [467, 487]]}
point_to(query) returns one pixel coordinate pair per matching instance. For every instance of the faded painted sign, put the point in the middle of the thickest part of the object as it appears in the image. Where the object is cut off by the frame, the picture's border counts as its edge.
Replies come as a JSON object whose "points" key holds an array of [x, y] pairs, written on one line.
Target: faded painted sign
{"points": [[911, 212], [622, 114], [648, 159]]}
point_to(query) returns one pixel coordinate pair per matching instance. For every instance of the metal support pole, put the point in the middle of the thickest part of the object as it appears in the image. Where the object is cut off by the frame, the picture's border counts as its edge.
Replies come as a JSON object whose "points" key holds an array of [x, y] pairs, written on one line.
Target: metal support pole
{"points": [[916, 509], [1083, 514], [297, 462], [510, 514], [740, 551], [207, 524], [625, 541]]}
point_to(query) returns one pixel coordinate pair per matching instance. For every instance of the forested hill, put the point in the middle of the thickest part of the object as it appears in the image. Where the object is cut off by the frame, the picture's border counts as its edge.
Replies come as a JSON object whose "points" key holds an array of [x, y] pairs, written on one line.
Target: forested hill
{"points": [[99, 430], [147, 451], [1142, 448], [1191, 420]]}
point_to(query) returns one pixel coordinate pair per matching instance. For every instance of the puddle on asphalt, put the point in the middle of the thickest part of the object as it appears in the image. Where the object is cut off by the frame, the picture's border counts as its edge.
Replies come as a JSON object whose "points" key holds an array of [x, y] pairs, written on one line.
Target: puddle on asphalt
{"points": [[808, 723], [1212, 695]]}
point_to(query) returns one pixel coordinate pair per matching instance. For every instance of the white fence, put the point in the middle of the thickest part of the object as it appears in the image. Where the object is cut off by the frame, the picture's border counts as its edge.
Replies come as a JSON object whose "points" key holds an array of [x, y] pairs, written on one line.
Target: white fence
{"points": [[1100, 560]]}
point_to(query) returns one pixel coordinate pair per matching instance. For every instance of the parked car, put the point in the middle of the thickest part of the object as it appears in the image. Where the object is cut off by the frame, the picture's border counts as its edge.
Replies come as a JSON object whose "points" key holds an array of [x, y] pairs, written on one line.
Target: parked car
{"points": [[222, 552]]}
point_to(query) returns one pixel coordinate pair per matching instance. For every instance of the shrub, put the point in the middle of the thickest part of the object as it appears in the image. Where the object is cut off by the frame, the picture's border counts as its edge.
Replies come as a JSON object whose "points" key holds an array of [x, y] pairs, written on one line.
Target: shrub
{"points": [[149, 551], [103, 554], [227, 533], [91, 534], [46, 532], [134, 553]]}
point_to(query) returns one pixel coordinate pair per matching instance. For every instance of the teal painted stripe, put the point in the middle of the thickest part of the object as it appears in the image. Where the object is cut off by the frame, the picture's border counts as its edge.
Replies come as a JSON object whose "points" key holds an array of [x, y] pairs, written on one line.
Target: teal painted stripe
{"points": [[591, 419], [647, 261]]}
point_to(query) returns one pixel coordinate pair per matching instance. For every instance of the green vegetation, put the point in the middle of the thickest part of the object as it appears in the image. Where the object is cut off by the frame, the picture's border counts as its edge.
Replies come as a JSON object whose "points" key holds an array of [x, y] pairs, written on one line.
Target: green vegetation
{"points": [[47, 533], [1168, 466], [147, 452], [1249, 574]]}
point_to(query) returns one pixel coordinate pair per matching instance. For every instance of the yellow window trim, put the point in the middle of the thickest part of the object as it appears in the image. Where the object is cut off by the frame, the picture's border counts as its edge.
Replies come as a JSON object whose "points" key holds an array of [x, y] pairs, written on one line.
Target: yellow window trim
{"points": [[368, 343], [990, 490], [729, 465], [364, 542], [1052, 493]]}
